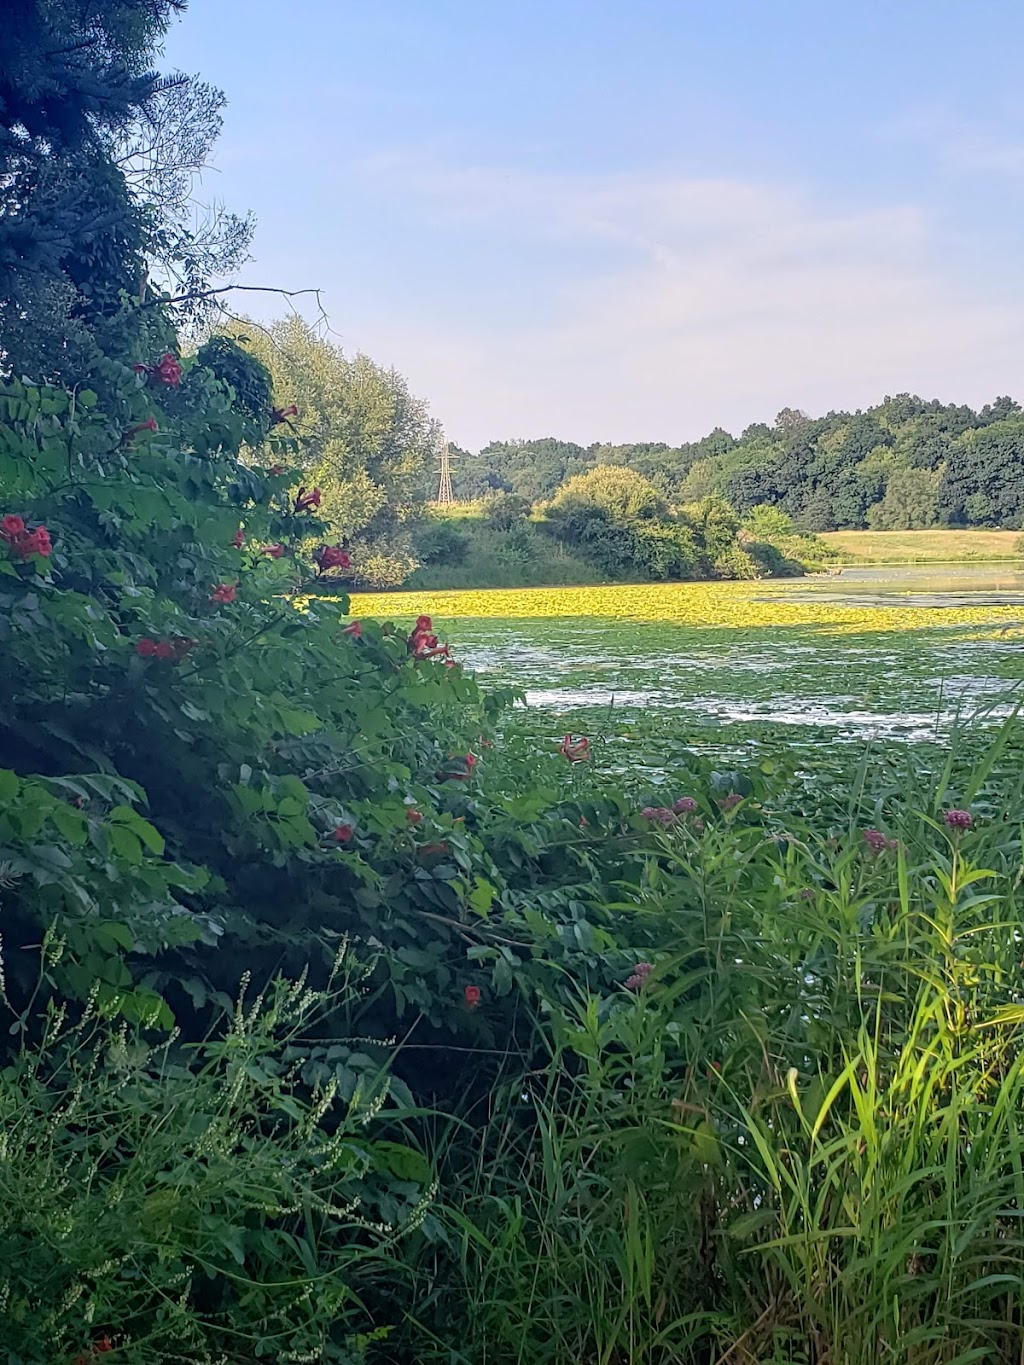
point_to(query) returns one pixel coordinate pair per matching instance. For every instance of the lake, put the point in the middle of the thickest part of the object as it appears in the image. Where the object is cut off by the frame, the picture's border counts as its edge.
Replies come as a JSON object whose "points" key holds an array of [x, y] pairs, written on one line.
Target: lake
{"points": [[877, 656]]}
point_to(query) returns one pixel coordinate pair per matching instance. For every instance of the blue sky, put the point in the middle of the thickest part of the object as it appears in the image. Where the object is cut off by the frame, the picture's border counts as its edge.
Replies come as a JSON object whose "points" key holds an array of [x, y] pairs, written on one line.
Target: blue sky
{"points": [[634, 219]]}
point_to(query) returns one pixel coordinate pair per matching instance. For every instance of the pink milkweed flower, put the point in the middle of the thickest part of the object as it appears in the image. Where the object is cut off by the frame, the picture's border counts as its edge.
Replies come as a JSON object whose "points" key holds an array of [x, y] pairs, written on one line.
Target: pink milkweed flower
{"points": [[660, 815], [639, 976], [958, 819]]}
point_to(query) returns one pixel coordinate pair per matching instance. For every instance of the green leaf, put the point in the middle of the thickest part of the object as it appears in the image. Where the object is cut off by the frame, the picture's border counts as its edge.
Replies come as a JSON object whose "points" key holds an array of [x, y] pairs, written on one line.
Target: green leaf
{"points": [[125, 844], [72, 825]]}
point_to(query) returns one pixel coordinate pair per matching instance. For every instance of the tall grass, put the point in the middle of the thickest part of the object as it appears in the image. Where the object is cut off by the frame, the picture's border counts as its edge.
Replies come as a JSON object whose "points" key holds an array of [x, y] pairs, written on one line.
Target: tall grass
{"points": [[802, 1140]]}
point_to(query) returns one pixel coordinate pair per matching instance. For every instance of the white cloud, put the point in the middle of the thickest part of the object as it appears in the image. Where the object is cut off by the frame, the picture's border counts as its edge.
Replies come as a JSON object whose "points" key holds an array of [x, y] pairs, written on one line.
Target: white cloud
{"points": [[682, 303]]}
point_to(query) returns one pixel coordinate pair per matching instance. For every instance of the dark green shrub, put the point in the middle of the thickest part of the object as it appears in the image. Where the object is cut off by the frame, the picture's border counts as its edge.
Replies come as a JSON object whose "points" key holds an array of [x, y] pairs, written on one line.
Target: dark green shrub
{"points": [[504, 510], [440, 542]]}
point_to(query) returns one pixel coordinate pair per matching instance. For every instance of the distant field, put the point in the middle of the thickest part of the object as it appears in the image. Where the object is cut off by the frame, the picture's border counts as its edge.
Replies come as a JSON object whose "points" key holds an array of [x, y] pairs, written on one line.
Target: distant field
{"points": [[918, 547]]}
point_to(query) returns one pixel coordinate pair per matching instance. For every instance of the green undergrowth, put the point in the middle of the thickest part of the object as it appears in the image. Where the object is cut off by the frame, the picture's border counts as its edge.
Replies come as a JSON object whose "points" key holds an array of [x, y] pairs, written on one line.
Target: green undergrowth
{"points": [[352, 1017]]}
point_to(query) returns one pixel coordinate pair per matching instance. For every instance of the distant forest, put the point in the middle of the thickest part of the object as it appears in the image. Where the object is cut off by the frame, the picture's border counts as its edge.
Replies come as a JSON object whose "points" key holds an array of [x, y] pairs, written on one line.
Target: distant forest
{"points": [[903, 465]]}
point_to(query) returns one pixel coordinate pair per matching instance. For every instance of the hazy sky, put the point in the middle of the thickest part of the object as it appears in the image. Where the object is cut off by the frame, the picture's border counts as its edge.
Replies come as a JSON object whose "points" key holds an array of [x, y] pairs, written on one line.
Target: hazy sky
{"points": [[635, 219]]}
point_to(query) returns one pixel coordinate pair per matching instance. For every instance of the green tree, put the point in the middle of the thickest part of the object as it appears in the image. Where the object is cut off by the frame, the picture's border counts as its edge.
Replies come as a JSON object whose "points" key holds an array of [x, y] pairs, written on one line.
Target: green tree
{"points": [[620, 495], [983, 484], [911, 501], [97, 159], [363, 439], [532, 469]]}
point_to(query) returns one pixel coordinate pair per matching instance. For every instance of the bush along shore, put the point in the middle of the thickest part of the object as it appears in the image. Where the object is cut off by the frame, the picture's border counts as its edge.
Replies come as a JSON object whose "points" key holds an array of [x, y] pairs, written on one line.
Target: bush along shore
{"points": [[344, 1026], [609, 525]]}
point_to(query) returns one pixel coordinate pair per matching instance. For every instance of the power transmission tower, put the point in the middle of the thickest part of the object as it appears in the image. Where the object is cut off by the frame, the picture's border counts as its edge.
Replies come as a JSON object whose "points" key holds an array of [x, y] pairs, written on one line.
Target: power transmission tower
{"points": [[445, 496]]}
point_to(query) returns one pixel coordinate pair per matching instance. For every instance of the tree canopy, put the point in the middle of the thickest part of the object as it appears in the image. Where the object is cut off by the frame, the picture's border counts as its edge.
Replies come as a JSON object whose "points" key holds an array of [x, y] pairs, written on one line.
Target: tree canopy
{"points": [[904, 464], [364, 440], [98, 156]]}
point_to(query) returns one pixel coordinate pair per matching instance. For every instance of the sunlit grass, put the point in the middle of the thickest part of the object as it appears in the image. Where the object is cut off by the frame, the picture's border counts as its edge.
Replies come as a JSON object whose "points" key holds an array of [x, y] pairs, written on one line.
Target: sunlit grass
{"points": [[918, 547]]}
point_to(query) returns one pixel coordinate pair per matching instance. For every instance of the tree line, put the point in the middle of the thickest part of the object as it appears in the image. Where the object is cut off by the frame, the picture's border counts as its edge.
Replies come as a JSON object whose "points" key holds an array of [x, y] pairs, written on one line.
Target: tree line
{"points": [[906, 464]]}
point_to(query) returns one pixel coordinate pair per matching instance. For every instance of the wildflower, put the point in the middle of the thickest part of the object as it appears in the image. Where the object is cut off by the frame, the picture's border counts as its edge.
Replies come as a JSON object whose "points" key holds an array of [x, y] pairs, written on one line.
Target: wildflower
{"points": [[275, 551], [472, 997], [146, 648], [279, 414], [332, 557], [164, 650], [958, 819], [427, 849], [148, 425], [355, 630], [463, 774], [875, 840], [730, 802], [304, 501], [238, 539], [22, 542], [639, 976], [686, 805], [35, 542], [659, 815], [168, 371], [413, 816], [223, 592], [575, 750], [343, 833]]}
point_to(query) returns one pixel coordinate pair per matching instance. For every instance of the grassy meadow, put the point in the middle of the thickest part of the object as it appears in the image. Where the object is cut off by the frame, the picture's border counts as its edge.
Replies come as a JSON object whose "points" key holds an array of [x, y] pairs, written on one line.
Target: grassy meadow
{"points": [[923, 547]]}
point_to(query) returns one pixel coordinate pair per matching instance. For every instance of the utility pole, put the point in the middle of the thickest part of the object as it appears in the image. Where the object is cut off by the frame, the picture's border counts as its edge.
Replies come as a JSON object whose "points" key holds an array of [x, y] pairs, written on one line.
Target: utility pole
{"points": [[445, 496]]}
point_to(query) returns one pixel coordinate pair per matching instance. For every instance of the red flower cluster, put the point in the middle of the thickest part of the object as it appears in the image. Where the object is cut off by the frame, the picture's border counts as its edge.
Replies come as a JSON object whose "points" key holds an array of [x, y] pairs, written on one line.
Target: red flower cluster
{"points": [[223, 592], [355, 630], [238, 539], [167, 371], [958, 819], [99, 1347], [413, 816], [465, 772], [22, 542], [471, 995], [332, 557], [343, 833], [304, 501], [575, 750], [279, 414], [170, 651], [275, 551], [730, 802], [423, 642]]}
